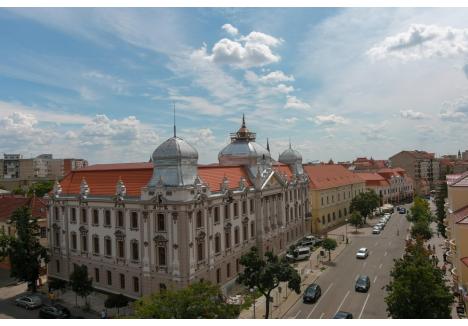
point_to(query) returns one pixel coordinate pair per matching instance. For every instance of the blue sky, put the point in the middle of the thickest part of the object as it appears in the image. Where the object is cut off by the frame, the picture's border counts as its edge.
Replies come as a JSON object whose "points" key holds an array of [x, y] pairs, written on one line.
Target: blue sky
{"points": [[341, 83]]}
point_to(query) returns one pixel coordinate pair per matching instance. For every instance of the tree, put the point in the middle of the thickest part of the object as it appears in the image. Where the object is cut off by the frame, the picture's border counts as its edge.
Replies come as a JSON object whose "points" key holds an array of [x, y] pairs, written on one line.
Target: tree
{"points": [[356, 219], [421, 229], [116, 301], [329, 244], [440, 205], [80, 283], [417, 288], [5, 241], [25, 252], [41, 188], [57, 284], [266, 274], [198, 300], [365, 203], [420, 210]]}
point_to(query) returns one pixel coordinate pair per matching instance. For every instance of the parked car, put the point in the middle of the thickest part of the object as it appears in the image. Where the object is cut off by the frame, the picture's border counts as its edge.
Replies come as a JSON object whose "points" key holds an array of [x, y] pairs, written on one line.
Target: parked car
{"points": [[343, 315], [55, 311], [362, 253], [310, 241], [380, 225], [362, 283], [376, 230], [28, 302], [402, 210], [300, 253], [312, 293]]}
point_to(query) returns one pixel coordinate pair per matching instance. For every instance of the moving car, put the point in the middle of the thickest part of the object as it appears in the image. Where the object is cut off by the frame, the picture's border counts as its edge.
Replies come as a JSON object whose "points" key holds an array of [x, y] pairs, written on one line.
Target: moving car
{"points": [[376, 230], [312, 293], [362, 283], [300, 253], [402, 210], [343, 315], [362, 253], [28, 302], [55, 311]]}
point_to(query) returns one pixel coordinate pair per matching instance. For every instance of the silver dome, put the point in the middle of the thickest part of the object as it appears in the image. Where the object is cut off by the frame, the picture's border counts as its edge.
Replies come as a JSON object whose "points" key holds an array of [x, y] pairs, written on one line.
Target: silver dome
{"points": [[290, 156], [175, 163]]}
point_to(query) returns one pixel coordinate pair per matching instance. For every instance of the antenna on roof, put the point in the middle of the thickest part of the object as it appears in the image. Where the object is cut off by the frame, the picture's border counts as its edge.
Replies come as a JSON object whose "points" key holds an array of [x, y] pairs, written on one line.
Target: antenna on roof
{"points": [[174, 119]]}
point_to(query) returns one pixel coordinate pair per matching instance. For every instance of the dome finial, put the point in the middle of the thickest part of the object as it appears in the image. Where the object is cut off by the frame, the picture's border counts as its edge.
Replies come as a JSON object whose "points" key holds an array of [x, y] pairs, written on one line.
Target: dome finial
{"points": [[268, 146], [243, 120], [174, 120], [289, 142]]}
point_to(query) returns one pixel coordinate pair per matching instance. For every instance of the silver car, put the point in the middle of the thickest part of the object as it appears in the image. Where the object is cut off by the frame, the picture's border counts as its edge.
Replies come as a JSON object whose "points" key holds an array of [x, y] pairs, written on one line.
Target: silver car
{"points": [[28, 302]]}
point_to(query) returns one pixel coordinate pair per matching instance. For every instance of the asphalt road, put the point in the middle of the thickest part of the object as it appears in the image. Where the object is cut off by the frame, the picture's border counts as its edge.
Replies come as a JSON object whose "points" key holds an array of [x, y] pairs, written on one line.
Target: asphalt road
{"points": [[338, 281]]}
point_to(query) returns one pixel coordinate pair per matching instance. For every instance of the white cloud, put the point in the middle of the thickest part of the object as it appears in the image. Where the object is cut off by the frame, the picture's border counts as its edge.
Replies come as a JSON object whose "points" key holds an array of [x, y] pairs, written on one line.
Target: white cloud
{"points": [[284, 89], [293, 102], [253, 50], [198, 105], [231, 30], [331, 119], [412, 115], [270, 78], [422, 41], [291, 120], [87, 94], [455, 111]]}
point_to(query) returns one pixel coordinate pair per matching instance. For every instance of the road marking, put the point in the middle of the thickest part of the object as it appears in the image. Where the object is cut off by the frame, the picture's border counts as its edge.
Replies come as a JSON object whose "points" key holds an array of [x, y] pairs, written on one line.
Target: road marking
{"points": [[365, 302], [385, 254], [380, 266], [295, 316], [322, 315], [375, 278], [342, 301], [316, 305]]}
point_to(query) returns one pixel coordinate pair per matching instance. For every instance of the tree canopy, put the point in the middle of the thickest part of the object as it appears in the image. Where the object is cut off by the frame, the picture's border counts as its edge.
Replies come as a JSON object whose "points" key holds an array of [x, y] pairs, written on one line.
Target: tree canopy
{"points": [[24, 251], [356, 219], [329, 244], [417, 288], [365, 203], [421, 217], [198, 300], [80, 283], [440, 204], [116, 301], [267, 274]]}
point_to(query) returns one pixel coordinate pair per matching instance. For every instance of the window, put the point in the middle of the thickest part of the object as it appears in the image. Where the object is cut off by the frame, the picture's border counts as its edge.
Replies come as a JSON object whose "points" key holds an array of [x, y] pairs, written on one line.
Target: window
{"points": [[199, 222], [216, 214], [322, 201], [339, 213], [95, 217], [334, 216], [228, 270], [252, 229], [162, 287], [218, 275], [237, 265], [57, 266], [108, 246], [135, 250], [328, 218], [136, 284], [244, 207], [96, 275], [236, 235], [56, 237], [84, 217], [200, 251], [328, 200], [73, 215], [96, 244], [217, 243], [162, 256], [236, 210], [134, 220], [161, 223], [107, 217], [84, 243], [226, 211], [109, 278], [120, 248], [56, 213], [227, 239], [122, 281], [252, 206], [43, 232], [120, 219], [245, 232], [73, 240]]}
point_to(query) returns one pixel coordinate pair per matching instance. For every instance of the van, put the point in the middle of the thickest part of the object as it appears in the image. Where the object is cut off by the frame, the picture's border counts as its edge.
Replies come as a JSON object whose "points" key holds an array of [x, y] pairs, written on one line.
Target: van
{"points": [[300, 253]]}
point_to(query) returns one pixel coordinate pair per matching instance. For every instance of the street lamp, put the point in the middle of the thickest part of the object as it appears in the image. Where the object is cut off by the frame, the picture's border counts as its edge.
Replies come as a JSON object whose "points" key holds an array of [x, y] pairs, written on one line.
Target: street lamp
{"points": [[346, 230], [252, 290]]}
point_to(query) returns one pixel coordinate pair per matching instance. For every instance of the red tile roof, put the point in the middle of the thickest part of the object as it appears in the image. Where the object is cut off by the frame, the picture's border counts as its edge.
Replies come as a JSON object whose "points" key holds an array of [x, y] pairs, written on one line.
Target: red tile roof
{"points": [[461, 215], [102, 178], [330, 176], [464, 260], [373, 179], [9, 203]]}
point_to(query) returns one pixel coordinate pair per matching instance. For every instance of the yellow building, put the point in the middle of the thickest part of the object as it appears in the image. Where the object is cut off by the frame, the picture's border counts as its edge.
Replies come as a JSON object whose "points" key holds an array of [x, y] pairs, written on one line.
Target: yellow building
{"points": [[457, 233], [331, 189]]}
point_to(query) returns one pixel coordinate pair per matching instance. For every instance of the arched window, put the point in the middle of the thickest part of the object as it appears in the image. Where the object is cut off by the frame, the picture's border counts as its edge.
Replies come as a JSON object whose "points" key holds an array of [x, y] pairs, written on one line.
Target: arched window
{"points": [[199, 219], [236, 235], [217, 243], [135, 250]]}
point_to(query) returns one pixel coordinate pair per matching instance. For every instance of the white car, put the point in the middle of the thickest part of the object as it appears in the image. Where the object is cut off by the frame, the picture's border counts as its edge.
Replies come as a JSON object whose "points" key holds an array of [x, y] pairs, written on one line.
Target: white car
{"points": [[29, 302], [362, 253], [375, 230]]}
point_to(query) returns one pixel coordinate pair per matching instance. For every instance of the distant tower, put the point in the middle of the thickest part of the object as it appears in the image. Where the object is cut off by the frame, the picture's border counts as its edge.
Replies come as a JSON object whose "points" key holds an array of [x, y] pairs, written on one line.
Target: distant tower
{"points": [[459, 155]]}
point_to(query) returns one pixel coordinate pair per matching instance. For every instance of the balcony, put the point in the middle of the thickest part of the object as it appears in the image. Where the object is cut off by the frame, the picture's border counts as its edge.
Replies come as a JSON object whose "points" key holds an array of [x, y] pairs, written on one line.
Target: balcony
{"points": [[453, 245], [450, 257], [454, 275]]}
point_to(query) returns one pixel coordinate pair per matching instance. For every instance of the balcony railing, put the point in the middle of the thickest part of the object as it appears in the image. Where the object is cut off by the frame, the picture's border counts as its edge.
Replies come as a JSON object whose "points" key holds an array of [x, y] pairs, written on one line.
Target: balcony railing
{"points": [[453, 245]]}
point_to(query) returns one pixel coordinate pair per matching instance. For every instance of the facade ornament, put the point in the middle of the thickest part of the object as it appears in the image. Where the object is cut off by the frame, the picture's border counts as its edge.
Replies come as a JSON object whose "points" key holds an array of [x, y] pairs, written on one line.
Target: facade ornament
{"points": [[84, 189], [160, 240], [119, 234], [228, 226], [200, 236], [83, 230], [57, 190], [120, 189], [225, 184], [242, 183]]}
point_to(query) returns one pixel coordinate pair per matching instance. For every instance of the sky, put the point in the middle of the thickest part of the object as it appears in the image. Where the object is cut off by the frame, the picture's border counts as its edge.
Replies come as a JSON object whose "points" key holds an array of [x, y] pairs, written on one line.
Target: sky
{"points": [[101, 84]]}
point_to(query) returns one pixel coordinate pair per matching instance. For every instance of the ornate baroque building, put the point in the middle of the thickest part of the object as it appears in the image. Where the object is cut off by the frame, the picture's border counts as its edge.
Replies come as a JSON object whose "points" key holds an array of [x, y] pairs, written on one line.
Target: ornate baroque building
{"points": [[143, 227]]}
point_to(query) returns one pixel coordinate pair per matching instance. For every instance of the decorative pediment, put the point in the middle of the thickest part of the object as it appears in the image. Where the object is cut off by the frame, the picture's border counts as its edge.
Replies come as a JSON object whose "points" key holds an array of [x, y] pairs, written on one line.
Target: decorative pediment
{"points": [[225, 184], [119, 234], [83, 230], [200, 236], [120, 189], [57, 190], [228, 226], [228, 197], [55, 226], [245, 220], [84, 188], [242, 183], [159, 238]]}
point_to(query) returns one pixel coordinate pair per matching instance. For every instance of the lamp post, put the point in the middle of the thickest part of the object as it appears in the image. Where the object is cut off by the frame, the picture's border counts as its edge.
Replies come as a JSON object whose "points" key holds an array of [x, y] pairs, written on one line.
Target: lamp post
{"points": [[346, 230], [252, 290]]}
